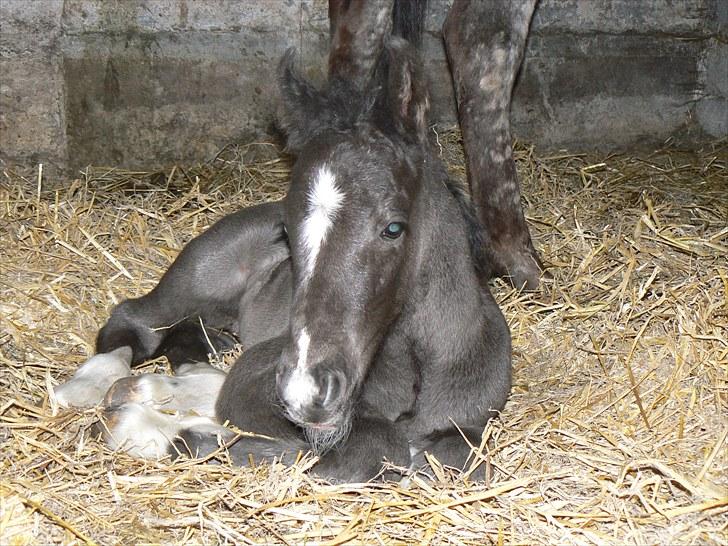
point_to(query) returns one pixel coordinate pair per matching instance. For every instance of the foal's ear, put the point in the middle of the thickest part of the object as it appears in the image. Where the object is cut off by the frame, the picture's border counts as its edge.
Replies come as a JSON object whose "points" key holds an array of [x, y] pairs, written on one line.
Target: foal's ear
{"points": [[302, 106], [407, 89]]}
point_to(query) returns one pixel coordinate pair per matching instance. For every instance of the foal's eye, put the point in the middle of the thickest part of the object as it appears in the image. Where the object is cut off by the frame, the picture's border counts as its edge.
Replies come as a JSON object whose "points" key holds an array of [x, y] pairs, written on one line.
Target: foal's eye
{"points": [[393, 230]]}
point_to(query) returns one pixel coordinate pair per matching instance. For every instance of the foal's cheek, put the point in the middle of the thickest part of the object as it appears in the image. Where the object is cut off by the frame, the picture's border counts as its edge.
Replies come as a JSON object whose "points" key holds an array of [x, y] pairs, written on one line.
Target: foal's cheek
{"points": [[387, 275]]}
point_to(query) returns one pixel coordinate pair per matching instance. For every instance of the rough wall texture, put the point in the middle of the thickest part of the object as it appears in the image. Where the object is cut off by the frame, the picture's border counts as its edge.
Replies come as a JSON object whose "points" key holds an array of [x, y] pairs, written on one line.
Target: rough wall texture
{"points": [[146, 83]]}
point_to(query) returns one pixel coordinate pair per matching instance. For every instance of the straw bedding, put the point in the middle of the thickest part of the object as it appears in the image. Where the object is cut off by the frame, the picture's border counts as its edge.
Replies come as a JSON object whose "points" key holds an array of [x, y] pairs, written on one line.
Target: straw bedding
{"points": [[615, 431]]}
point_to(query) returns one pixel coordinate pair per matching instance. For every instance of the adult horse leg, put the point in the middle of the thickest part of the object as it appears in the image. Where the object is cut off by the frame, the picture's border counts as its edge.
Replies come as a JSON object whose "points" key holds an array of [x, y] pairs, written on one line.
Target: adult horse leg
{"points": [[485, 42], [357, 28], [213, 273]]}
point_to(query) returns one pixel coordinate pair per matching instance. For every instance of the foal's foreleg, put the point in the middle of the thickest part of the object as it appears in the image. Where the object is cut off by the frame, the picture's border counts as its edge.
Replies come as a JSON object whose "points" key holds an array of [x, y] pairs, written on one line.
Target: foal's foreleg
{"points": [[485, 43], [248, 401], [451, 447], [370, 444], [358, 457]]}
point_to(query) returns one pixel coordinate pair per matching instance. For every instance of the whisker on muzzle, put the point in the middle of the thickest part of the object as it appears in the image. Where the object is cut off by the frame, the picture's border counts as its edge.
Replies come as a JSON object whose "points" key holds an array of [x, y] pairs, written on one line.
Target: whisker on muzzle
{"points": [[323, 440]]}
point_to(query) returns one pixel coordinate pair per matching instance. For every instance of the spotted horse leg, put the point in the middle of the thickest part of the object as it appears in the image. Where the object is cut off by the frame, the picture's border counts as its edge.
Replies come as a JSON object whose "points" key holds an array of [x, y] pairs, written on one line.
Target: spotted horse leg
{"points": [[358, 28], [485, 42]]}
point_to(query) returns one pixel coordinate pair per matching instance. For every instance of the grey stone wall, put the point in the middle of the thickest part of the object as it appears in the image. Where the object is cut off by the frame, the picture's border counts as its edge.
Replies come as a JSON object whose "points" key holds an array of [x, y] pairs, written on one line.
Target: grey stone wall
{"points": [[147, 83]]}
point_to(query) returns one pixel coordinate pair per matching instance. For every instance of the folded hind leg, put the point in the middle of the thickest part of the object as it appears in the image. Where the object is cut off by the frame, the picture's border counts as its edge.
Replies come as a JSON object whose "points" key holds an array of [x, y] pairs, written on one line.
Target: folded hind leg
{"points": [[207, 280], [106, 376]]}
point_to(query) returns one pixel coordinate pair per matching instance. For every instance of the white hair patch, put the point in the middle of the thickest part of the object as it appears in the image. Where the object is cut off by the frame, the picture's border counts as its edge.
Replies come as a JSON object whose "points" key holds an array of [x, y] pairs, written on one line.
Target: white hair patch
{"points": [[89, 384], [324, 199], [303, 341], [301, 389]]}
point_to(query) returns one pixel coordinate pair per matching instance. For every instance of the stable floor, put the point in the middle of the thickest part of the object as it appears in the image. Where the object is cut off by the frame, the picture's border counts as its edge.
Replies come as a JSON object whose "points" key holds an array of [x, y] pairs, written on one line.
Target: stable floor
{"points": [[615, 432]]}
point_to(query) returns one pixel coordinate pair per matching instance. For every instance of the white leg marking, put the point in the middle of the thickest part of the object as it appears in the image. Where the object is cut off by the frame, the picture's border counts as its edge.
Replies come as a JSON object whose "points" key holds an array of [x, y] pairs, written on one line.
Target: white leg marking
{"points": [[414, 451], [324, 199], [194, 393], [147, 433], [89, 384]]}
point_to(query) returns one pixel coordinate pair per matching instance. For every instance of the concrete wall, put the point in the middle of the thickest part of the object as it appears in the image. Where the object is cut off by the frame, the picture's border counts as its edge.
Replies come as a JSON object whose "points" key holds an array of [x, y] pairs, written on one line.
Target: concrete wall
{"points": [[147, 83]]}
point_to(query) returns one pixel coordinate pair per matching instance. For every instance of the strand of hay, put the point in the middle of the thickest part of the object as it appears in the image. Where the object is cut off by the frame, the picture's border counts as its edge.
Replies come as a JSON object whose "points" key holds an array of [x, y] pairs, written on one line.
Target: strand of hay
{"points": [[615, 431]]}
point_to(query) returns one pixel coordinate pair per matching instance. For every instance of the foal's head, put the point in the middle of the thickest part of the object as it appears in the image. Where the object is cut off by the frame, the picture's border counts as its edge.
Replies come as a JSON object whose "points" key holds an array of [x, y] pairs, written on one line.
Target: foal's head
{"points": [[350, 224]]}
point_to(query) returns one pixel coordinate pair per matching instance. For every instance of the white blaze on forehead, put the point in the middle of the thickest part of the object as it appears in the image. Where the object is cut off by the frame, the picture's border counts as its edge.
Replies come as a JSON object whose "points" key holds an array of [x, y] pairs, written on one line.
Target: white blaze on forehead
{"points": [[324, 199]]}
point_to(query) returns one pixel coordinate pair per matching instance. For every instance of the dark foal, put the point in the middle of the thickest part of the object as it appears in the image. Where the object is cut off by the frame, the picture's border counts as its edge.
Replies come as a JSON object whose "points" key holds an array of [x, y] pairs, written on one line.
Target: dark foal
{"points": [[378, 340], [485, 42]]}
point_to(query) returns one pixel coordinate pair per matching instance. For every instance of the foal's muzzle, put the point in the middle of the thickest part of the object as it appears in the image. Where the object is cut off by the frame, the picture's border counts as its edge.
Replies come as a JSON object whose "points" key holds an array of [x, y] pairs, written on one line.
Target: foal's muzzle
{"points": [[315, 396]]}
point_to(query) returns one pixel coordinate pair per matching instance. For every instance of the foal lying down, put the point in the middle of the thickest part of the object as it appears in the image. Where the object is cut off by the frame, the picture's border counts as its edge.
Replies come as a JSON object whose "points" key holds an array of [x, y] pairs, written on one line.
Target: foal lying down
{"points": [[370, 334]]}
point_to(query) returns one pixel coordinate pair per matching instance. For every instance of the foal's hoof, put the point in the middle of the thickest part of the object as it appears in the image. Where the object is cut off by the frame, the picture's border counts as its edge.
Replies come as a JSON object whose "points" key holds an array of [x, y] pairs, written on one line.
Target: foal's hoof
{"points": [[189, 393], [89, 384], [147, 433]]}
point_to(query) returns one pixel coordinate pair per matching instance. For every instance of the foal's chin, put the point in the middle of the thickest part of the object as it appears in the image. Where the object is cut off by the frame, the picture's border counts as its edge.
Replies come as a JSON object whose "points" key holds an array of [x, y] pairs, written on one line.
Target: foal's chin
{"points": [[325, 438]]}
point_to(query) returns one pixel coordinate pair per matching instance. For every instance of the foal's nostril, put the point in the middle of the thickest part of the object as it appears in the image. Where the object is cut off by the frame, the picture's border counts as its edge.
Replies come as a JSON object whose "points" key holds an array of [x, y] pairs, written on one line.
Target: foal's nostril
{"points": [[330, 386]]}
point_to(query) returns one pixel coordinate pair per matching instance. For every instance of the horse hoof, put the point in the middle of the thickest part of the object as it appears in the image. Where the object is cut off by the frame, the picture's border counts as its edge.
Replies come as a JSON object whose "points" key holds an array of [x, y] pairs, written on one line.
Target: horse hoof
{"points": [[129, 390], [89, 384], [192, 393], [144, 432]]}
